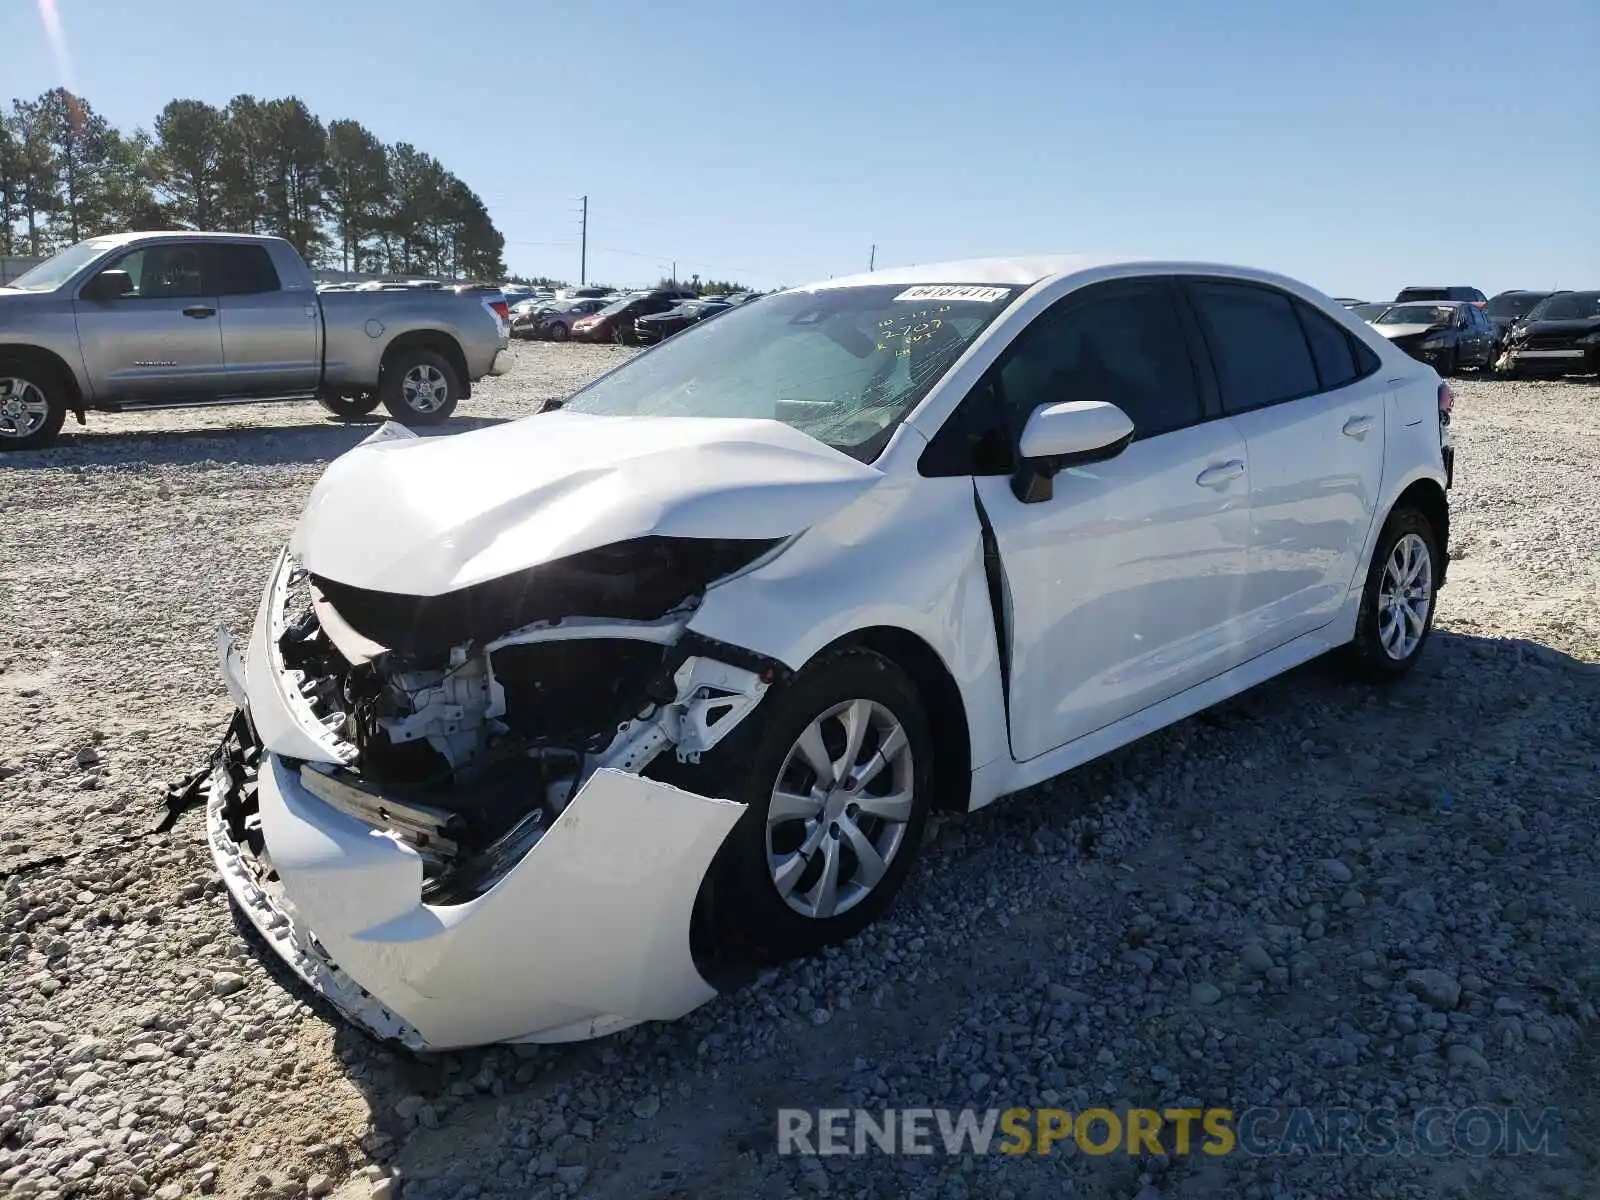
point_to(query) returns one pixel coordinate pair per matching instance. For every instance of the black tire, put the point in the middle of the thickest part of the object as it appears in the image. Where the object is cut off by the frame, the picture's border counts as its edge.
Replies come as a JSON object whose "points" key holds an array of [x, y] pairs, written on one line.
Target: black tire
{"points": [[29, 379], [1368, 654], [557, 331], [348, 408], [743, 918], [1450, 364], [392, 388]]}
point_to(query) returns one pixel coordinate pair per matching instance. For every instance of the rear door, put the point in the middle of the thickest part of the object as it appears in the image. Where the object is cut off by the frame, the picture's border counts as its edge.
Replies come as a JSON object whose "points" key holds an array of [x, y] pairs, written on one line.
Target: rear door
{"points": [[163, 340], [1313, 411], [271, 338]]}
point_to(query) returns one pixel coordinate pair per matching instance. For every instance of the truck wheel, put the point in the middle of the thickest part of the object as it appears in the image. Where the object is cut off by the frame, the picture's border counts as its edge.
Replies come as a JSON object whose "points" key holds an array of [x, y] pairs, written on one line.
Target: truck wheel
{"points": [[419, 388], [349, 408], [31, 408]]}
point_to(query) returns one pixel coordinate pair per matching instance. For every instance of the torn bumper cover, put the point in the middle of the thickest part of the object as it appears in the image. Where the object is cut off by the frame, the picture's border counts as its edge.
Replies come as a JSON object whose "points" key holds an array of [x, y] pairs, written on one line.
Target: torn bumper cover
{"points": [[567, 928]]}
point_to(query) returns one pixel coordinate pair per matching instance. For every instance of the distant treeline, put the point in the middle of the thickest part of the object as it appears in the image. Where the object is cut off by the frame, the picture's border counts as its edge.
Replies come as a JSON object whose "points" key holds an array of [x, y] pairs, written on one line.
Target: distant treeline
{"points": [[344, 198]]}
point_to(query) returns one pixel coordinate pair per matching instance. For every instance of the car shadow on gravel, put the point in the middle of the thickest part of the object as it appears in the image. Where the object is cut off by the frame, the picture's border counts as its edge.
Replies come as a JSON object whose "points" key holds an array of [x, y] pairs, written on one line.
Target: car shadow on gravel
{"points": [[448, 1117], [293, 444]]}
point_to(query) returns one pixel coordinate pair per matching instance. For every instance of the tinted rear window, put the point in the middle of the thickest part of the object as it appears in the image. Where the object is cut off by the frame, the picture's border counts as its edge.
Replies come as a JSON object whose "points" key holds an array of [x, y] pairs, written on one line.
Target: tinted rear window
{"points": [[1330, 348], [241, 270], [1257, 346]]}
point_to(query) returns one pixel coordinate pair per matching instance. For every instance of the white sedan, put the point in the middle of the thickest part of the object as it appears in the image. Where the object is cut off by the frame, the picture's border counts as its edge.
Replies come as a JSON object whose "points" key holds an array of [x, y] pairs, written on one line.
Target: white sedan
{"points": [[549, 728]]}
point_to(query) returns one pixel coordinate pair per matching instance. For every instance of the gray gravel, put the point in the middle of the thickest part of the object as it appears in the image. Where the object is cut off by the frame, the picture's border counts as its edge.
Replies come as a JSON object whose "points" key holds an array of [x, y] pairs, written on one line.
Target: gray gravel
{"points": [[1316, 895]]}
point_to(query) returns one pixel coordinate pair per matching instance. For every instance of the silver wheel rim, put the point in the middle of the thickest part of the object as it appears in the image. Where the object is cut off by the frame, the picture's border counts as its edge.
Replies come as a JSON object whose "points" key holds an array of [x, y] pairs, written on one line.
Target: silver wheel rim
{"points": [[23, 408], [424, 388], [1405, 597], [840, 809]]}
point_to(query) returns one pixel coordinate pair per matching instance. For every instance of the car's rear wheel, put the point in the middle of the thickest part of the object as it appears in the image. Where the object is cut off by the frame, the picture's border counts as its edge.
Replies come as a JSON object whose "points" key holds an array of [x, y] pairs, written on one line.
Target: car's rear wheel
{"points": [[32, 410], [1397, 605], [349, 408], [835, 769], [557, 331], [420, 387]]}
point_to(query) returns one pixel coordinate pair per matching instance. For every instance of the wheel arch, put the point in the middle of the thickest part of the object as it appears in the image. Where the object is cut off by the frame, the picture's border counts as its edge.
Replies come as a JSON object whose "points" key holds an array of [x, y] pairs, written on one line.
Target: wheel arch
{"points": [[53, 364], [1428, 497], [942, 704], [435, 341]]}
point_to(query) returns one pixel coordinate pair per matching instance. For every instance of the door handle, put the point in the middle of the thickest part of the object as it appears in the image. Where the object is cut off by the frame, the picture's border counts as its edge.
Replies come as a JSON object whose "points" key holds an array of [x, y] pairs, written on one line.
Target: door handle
{"points": [[1358, 427], [199, 312], [1220, 475]]}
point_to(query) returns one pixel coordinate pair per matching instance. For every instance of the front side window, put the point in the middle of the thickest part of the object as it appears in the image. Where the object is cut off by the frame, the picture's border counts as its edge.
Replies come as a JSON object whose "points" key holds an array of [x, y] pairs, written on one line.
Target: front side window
{"points": [[844, 365], [1257, 346], [1124, 346], [164, 271]]}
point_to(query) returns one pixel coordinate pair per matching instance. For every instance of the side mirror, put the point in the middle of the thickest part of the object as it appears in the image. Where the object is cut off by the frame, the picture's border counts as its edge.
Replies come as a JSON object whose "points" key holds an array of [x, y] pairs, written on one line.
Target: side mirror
{"points": [[108, 285], [1070, 434]]}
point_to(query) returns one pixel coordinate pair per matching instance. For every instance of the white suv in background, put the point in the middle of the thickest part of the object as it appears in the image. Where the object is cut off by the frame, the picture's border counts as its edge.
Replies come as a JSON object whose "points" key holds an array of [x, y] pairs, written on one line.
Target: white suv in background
{"points": [[544, 725]]}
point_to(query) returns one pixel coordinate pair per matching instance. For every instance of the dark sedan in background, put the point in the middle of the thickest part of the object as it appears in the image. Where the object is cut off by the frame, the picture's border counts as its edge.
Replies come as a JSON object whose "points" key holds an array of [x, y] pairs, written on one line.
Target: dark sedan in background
{"points": [[614, 322], [1507, 308], [1559, 336], [660, 326], [1447, 335]]}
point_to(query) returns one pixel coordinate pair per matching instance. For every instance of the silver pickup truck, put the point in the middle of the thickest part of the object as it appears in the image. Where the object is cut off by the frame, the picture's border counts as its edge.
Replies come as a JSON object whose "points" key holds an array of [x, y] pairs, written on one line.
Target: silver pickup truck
{"points": [[173, 320]]}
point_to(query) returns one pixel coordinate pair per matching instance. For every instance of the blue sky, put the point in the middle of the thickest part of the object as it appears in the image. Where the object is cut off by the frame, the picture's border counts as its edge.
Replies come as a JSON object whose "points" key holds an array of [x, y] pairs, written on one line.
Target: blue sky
{"points": [[1360, 146]]}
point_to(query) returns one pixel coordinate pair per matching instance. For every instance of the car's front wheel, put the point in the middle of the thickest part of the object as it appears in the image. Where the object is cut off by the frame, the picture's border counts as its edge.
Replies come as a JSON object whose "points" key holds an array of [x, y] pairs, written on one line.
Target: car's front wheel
{"points": [[1397, 604], [419, 388], [835, 769], [556, 331], [31, 410]]}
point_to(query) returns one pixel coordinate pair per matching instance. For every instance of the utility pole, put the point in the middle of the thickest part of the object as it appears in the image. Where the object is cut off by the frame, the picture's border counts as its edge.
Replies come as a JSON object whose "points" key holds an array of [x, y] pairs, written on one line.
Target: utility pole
{"points": [[872, 259], [583, 244], [674, 279]]}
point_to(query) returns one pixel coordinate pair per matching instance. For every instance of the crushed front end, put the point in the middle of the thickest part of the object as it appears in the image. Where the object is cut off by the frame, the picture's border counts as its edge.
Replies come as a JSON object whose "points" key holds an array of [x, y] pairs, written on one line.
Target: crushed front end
{"points": [[433, 808]]}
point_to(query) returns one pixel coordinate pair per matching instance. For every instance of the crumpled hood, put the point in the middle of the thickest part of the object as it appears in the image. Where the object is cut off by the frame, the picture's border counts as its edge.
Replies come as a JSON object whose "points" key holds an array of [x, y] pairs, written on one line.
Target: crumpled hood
{"points": [[426, 516], [1575, 328], [1401, 331]]}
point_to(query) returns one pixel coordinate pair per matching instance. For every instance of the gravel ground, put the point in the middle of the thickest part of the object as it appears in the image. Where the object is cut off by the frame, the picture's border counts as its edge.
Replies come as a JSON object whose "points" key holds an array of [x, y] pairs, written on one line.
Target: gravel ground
{"points": [[1315, 895]]}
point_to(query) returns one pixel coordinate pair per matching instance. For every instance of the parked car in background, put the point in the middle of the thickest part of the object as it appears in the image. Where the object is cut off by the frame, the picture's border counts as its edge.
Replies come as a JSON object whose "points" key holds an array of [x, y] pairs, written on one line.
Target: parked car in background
{"points": [[553, 319], [1559, 336], [139, 321], [693, 657], [1447, 335], [1370, 312], [1507, 308], [583, 292], [614, 322], [1469, 294], [648, 330]]}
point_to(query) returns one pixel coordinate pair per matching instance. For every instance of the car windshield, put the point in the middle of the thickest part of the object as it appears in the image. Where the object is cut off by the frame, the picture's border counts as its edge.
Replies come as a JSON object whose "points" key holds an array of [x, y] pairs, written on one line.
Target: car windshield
{"points": [[1571, 306], [1513, 304], [58, 268], [844, 365], [1415, 314], [1369, 312]]}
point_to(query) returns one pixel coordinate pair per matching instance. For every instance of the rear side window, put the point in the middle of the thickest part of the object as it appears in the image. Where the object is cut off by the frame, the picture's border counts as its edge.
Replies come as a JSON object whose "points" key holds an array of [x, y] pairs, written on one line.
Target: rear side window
{"points": [[1331, 348], [1258, 348], [1123, 344], [239, 270]]}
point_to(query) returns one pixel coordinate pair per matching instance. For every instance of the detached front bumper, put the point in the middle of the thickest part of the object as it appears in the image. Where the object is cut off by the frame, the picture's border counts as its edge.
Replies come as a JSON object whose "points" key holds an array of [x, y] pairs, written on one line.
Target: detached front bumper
{"points": [[587, 934]]}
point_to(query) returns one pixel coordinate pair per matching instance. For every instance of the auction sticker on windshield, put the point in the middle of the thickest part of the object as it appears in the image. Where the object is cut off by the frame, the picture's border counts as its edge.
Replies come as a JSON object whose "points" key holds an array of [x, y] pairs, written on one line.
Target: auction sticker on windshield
{"points": [[983, 295]]}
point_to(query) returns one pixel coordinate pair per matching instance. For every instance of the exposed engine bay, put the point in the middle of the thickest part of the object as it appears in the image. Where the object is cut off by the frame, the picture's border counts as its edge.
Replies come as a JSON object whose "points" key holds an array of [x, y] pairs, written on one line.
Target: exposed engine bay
{"points": [[467, 747]]}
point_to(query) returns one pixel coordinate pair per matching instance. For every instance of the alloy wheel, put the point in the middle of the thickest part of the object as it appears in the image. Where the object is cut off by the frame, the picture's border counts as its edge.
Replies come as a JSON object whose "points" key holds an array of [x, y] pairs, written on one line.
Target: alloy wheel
{"points": [[425, 388], [1405, 597], [23, 408], [840, 808]]}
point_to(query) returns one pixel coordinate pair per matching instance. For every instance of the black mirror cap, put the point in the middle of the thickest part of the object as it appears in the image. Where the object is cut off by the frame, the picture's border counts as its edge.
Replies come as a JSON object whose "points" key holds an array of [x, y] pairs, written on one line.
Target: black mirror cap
{"points": [[108, 285]]}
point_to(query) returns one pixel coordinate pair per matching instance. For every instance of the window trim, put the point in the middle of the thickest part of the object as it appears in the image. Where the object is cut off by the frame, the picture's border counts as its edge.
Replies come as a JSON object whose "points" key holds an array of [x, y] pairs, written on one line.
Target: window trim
{"points": [[1183, 282]]}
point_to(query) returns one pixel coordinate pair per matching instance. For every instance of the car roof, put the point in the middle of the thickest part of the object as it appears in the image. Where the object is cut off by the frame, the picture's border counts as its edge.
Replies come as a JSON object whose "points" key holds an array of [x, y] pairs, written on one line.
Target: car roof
{"points": [[1031, 270], [167, 235]]}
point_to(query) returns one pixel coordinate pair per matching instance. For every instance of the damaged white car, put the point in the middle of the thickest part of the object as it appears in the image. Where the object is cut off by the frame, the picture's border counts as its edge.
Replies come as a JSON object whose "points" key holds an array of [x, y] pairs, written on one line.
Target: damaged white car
{"points": [[550, 728]]}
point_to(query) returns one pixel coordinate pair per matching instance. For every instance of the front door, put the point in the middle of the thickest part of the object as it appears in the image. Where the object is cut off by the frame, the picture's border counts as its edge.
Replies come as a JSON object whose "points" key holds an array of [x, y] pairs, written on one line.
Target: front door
{"points": [[1124, 587], [161, 342], [1313, 412]]}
